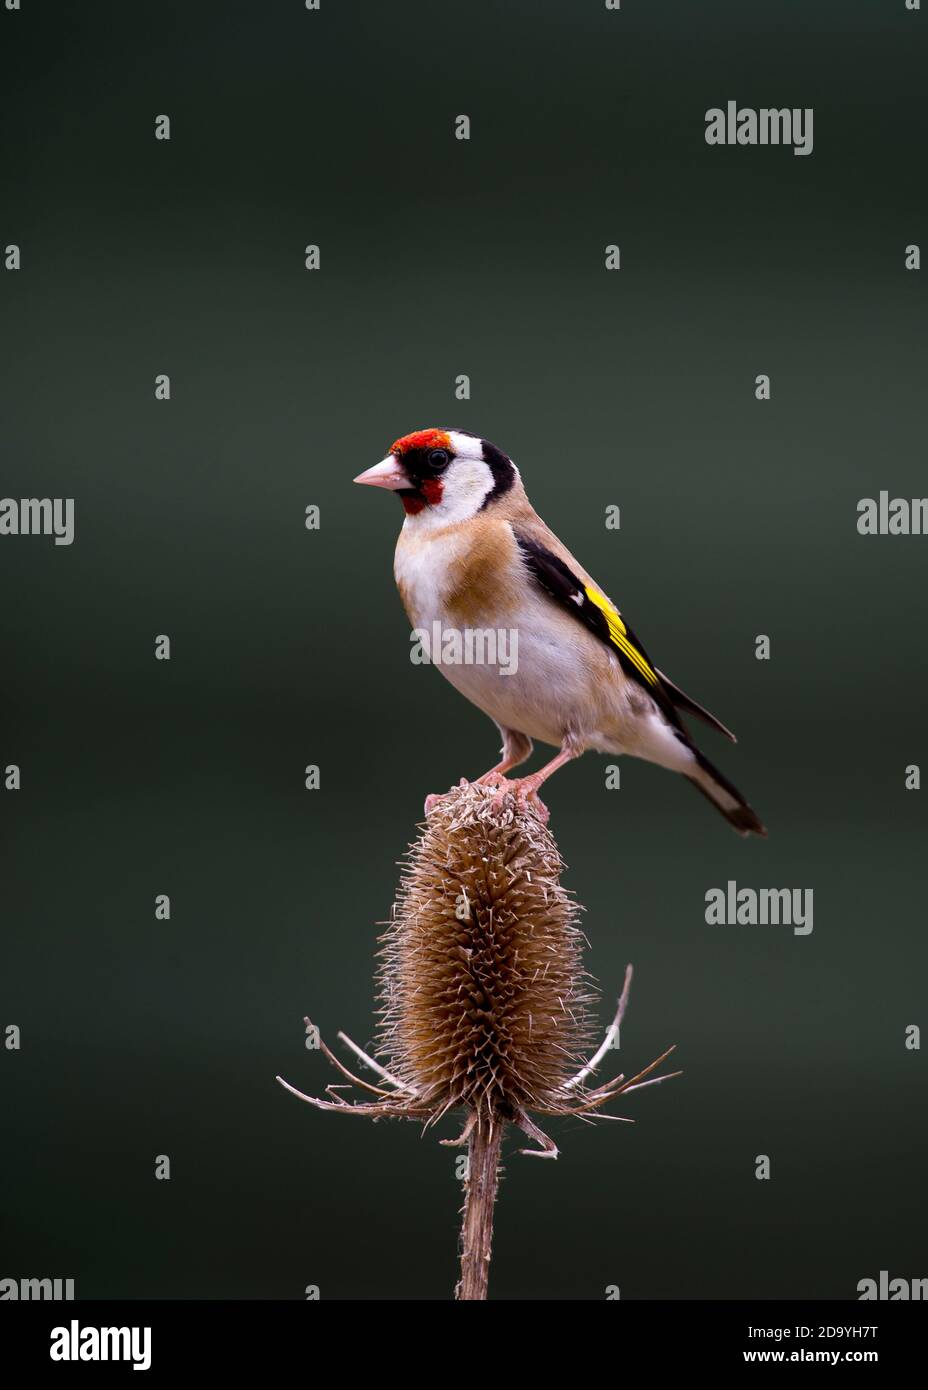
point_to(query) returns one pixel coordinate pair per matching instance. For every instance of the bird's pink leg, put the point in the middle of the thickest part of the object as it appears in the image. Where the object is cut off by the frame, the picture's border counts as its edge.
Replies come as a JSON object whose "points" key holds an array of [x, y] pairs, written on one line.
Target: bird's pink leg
{"points": [[526, 788], [516, 748], [498, 772]]}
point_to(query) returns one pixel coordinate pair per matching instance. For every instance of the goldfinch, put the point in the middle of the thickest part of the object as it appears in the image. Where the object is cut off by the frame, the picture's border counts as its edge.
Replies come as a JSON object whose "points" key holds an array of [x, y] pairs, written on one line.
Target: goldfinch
{"points": [[474, 555]]}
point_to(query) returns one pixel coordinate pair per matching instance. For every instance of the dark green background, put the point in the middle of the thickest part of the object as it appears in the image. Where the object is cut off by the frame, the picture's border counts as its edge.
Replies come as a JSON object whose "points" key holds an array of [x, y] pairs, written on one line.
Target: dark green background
{"points": [[637, 388]]}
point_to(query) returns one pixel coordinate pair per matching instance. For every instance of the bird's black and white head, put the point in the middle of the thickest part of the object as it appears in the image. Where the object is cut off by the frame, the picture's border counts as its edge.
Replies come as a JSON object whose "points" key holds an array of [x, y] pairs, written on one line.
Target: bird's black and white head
{"points": [[443, 476]]}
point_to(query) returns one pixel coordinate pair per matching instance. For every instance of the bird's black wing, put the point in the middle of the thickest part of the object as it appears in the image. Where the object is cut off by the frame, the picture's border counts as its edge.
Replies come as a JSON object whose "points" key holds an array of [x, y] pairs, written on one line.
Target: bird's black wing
{"points": [[600, 616]]}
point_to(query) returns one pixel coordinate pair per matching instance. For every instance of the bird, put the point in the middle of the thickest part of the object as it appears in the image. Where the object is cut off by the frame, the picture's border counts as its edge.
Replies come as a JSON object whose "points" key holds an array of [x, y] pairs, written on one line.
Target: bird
{"points": [[474, 555]]}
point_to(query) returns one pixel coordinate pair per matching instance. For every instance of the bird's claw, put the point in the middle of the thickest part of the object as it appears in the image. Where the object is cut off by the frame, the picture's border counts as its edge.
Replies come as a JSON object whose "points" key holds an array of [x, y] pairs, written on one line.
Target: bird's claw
{"points": [[532, 801], [523, 790], [492, 779], [526, 798]]}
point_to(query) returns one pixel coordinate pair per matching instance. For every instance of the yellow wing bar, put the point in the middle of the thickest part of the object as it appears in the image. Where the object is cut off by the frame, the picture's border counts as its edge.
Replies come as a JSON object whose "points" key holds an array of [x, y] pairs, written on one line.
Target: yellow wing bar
{"points": [[618, 633]]}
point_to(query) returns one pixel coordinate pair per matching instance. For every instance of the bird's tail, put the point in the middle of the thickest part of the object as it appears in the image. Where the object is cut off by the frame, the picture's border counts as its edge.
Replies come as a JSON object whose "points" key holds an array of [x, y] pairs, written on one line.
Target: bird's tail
{"points": [[725, 797]]}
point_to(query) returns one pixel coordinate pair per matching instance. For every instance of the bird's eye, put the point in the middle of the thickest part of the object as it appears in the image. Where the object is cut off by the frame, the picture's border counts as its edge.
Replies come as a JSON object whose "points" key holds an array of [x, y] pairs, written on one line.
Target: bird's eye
{"points": [[439, 458]]}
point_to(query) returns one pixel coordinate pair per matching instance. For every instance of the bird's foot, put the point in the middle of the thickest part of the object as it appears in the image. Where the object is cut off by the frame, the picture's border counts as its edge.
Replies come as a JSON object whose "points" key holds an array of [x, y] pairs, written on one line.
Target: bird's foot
{"points": [[493, 778], [525, 791]]}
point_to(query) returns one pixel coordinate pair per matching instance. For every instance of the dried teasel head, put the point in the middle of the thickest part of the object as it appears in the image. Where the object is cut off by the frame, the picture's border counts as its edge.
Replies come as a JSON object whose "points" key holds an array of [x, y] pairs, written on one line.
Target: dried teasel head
{"points": [[485, 1005], [485, 1002]]}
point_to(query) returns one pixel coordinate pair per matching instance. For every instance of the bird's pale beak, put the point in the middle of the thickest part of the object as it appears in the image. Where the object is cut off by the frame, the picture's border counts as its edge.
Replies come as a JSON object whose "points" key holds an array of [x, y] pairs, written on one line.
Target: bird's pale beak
{"points": [[390, 473]]}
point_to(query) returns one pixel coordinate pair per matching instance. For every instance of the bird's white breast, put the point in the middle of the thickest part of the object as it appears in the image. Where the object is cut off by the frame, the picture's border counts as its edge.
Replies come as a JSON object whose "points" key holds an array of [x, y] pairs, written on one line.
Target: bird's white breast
{"points": [[564, 679], [422, 567]]}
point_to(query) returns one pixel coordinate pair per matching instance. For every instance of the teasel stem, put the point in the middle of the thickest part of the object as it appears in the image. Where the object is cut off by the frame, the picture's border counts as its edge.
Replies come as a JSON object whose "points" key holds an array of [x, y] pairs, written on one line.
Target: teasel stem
{"points": [[480, 1187]]}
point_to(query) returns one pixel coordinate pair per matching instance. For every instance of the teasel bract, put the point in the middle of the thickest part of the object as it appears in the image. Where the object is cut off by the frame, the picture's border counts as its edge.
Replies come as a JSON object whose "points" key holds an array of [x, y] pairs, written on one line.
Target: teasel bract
{"points": [[485, 1006]]}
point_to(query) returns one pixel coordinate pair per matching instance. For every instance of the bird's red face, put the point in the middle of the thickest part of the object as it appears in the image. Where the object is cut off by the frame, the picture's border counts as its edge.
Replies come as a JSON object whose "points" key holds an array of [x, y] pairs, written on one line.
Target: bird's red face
{"points": [[414, 468], [442, 475]]}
